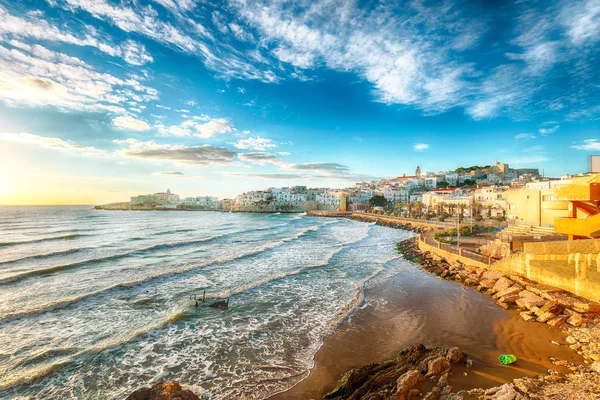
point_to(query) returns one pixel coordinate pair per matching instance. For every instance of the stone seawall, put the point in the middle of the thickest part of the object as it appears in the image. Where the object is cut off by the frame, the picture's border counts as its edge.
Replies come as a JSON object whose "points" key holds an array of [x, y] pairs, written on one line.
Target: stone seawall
{"points": [[418, 227]]}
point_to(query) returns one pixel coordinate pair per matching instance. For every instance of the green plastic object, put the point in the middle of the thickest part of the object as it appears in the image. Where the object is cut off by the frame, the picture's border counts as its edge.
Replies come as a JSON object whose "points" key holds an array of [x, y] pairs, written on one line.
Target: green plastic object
{"points": [[507, 359]]}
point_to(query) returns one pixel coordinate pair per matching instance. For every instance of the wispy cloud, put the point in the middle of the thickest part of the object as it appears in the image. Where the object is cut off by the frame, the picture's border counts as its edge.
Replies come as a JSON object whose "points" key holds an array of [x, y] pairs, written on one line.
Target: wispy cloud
{"points": [[205, 155], [420, 146], [38, 28], [524, 136], [547, 131], [255, 143], [588, 145], [127, 122], [50, 142]]}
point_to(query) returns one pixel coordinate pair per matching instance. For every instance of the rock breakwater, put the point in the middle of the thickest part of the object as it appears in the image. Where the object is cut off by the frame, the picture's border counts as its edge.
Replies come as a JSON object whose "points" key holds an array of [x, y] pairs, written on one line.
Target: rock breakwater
{"points": [[415, 372]]}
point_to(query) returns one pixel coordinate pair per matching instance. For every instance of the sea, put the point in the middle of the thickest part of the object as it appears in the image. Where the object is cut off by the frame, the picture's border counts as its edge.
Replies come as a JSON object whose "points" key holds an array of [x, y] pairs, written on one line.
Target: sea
{"points": [[95, 304]]}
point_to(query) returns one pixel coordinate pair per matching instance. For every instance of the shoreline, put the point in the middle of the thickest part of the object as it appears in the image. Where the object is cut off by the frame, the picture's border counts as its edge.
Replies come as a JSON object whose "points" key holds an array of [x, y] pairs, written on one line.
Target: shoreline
{"points": [[576, 372], [548, 356]]}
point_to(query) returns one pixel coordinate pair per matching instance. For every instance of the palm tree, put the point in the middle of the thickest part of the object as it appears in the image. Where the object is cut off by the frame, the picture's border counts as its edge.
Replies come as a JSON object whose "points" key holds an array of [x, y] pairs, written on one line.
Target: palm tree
{"points": [[489, 210], [399, 206], [419, 209], [410, 207]]}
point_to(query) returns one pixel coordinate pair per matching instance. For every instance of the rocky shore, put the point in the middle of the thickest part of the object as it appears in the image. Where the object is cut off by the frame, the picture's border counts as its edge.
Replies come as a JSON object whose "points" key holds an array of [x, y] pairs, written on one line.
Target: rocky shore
{"points": [[416, 372], [538, 303], [398, 224]]}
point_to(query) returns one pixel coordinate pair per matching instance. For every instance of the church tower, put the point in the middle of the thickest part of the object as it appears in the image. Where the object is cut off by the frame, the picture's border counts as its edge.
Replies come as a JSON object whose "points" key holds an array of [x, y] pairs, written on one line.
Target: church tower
{"points": [[418, 172]]}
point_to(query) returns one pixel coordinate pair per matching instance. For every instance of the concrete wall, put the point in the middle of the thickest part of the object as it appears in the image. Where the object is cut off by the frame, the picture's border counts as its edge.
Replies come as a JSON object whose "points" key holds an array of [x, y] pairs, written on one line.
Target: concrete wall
{"points": [[563, 247], [451, 257], [549, 263]]}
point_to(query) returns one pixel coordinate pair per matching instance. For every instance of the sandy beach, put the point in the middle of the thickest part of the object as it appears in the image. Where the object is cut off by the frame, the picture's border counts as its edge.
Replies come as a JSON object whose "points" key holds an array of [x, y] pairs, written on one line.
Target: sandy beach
{"points": [[418, 308]]}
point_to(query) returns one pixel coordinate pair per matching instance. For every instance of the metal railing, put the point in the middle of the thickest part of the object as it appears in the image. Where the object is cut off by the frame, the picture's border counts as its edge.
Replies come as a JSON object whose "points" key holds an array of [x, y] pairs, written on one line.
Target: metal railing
{"points": [[454, 249]]}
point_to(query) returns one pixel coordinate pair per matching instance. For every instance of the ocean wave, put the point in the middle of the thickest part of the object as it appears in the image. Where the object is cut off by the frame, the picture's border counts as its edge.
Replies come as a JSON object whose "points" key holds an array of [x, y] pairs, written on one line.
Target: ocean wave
{"points": [[36, 272], [70, 354], [68, 236], [29, 376], [186, 268], [43, 255]]}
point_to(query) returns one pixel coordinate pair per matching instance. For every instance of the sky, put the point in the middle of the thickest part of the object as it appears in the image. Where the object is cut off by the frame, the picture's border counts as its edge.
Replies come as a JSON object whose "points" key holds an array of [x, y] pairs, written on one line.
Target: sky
{"points": [[102, 99]]}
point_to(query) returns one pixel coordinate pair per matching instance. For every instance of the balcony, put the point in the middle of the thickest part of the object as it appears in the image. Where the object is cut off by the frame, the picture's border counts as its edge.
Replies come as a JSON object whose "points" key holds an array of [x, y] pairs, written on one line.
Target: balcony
{"points": [[584, 227]]}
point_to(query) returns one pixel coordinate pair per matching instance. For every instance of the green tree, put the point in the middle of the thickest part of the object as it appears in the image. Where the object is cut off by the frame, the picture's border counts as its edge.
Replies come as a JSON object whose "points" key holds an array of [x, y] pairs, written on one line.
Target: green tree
{"points": [[378, 201]]}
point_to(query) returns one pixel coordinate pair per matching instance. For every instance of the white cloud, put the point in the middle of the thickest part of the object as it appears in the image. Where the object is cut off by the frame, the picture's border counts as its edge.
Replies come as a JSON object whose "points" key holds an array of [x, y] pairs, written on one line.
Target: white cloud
{"points": [[187, 35], [36, 76], [547, 131], [205, 155], [212, 127], [37, 28], [582, 21], [127, 122], [257, 143], [420, 146], [524, 136], [50, 142], [588, 145]]}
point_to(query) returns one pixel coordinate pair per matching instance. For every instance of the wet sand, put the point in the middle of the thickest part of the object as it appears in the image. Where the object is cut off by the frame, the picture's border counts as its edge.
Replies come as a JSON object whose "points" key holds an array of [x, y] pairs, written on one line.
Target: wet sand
{"points": [[415, 307]]}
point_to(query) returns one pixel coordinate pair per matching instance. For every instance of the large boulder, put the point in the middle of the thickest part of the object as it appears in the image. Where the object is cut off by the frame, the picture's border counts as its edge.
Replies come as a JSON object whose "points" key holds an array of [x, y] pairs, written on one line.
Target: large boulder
{"points": [[502, 284], [163, 391]]}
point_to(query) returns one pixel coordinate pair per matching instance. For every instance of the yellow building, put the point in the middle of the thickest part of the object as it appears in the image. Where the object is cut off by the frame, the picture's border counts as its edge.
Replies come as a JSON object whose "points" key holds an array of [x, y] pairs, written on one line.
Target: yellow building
{"points": [[571, 206], [583, 217]]}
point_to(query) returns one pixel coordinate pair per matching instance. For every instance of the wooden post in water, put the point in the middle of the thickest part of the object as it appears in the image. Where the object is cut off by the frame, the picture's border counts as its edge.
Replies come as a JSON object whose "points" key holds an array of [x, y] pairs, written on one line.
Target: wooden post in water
{"points": [[204, 296]]}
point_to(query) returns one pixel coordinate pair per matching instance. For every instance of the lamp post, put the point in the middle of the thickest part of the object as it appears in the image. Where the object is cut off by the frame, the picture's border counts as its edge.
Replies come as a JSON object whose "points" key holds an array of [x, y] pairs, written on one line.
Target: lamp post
{"points": [[458, 231]]}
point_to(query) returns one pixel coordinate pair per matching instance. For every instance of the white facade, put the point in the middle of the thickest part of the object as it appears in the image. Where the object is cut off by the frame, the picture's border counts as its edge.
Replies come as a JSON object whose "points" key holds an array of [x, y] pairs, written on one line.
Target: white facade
{"points": [[201, 201], [160, 198], [396, 195], [330, 198]]}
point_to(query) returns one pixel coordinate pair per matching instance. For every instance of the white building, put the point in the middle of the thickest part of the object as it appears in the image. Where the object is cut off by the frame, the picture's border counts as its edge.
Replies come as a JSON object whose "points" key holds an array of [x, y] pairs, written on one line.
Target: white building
{"points": [[395, 195], [201, 201], [156, 199], [330, 198]]}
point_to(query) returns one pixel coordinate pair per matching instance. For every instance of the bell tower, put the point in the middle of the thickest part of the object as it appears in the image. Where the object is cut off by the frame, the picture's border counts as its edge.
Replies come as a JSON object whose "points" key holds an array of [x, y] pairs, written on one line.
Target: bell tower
{"points": [[418, 172]]}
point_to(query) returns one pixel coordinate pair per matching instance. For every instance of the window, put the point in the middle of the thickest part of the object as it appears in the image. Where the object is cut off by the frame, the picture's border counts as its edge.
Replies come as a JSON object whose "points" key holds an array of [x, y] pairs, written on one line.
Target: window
{"points": [[549, 198]]}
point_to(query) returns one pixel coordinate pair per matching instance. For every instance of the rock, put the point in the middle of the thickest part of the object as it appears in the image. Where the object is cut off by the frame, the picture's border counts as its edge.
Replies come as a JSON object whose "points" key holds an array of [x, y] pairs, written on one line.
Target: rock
{"points": [[492, 275], [526, 315], [513, 290], [455, 355], [395, 378], [529, 300], [558, 321], [487, 283], [502, 284], [468, 363], [575, 319], [545, 317], [539, 288], [521, 280], [595, 366], [550, 307], [504, 392], [571, 340], [586, 307], [503, 305], [509, 299], [163, 391], [407, 381], [438, 366]]}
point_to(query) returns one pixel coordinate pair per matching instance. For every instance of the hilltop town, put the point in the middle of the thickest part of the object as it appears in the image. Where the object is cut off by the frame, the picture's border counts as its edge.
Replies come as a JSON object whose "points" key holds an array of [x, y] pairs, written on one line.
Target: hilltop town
{"points": [[475, 190]]}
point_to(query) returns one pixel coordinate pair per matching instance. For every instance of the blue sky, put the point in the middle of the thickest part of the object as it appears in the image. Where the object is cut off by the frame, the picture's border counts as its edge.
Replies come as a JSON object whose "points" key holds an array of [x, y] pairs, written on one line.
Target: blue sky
{"points": [[103, 99]]}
